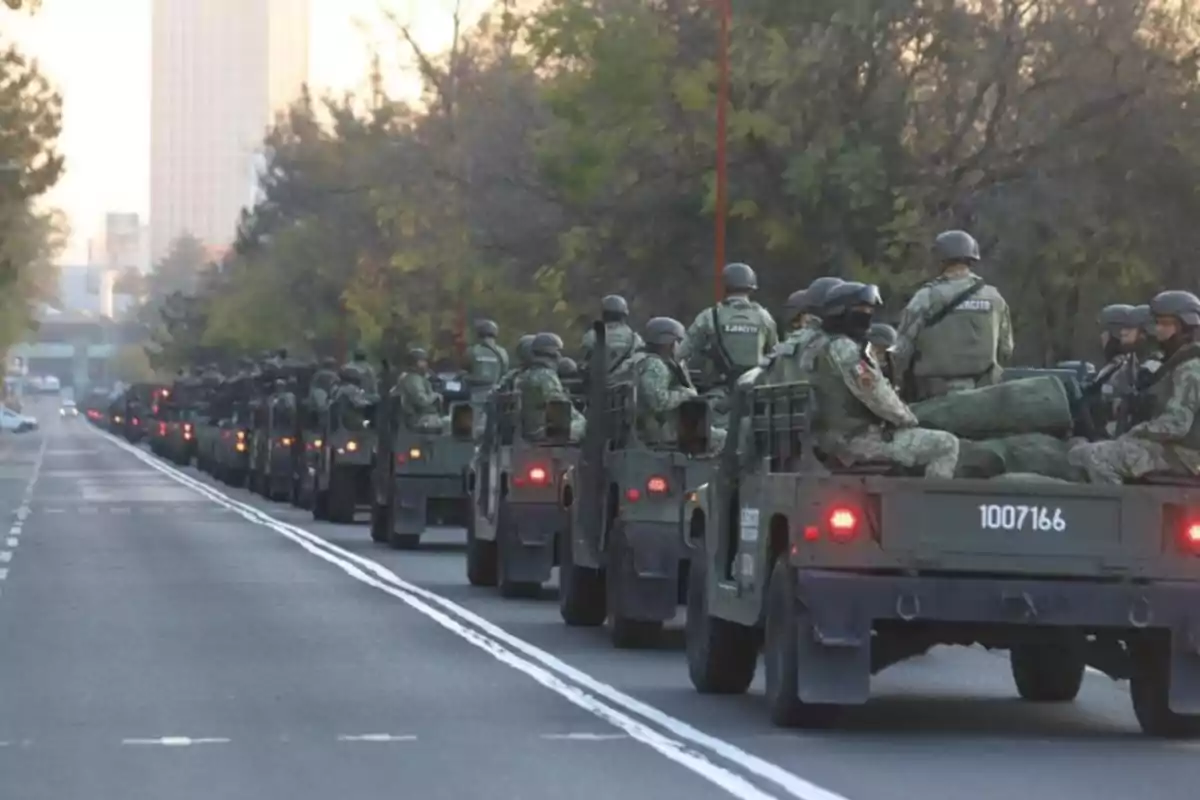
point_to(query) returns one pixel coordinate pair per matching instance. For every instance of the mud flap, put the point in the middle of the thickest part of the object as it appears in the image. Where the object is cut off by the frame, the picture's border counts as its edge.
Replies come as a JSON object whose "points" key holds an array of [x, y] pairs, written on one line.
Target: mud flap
{"points": [[527, 548], [647, 564], [1183, 696], [411, 508], [834, 652]]}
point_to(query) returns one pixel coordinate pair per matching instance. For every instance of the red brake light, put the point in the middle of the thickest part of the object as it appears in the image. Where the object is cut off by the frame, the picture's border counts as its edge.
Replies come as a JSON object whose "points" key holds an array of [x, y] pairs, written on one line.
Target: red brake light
{"points": [[1191, 536], [656, 485], [136, 421], [632, 495], [842, 522], [187, 426], [162, 429], [537, 476]]}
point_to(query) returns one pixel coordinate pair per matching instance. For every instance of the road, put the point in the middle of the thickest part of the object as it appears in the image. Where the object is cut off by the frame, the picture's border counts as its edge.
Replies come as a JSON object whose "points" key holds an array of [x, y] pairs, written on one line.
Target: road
{"points": [[164, 638]]}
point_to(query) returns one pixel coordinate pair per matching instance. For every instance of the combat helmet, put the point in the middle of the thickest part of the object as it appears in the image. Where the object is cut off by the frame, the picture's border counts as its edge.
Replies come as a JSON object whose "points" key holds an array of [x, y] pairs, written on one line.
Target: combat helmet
{"points": [[664, 330], [739, 277], [955, 245]]}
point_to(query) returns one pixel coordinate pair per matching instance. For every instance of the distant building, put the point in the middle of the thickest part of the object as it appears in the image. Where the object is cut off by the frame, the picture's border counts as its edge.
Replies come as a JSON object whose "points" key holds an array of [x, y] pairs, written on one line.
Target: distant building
{"points": [[222, 70]]}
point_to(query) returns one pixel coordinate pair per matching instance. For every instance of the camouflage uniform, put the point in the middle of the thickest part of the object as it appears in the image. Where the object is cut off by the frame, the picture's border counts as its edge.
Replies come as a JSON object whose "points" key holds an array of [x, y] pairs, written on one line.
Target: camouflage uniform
{"points": [[966, 348], [729, 339], [367, 379], [792, 359], [859, 415], [540, 385], [322, 383], [420, 405], [487, 362], [660, 393], [524, 360]]}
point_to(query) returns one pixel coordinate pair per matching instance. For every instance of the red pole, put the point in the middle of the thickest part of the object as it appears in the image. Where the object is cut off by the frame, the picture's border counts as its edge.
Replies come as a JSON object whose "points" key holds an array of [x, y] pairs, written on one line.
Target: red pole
{"points": [[723, 12]]}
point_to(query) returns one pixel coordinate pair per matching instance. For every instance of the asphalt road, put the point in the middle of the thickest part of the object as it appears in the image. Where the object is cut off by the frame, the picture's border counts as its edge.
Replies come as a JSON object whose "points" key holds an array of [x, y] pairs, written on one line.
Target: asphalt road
{"points": [[162, 637]]}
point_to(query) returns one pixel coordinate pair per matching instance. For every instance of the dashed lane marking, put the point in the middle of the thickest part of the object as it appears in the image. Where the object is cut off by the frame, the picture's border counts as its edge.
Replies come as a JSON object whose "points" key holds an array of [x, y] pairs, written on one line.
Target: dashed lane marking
{"points": [[175, 741], [583, 737], [376, 737], [3, 573], [673, 738], [5, 556], [12, 541]]}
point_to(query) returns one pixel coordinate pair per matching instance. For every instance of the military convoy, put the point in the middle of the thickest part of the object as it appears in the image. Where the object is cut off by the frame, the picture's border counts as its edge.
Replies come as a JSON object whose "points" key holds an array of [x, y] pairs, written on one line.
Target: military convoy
{"points": [[833, 573], [837, 575]]}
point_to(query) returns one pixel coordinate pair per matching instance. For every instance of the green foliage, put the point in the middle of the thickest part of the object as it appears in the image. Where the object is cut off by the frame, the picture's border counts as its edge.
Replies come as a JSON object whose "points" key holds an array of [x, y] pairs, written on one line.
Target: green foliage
{"points": [[30, 123], [570, 152]]}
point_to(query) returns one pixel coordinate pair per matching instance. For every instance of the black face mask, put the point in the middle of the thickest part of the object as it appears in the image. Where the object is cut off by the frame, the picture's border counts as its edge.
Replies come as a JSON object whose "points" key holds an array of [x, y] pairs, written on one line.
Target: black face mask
{"points": [[854, 324], [1113, 348]]}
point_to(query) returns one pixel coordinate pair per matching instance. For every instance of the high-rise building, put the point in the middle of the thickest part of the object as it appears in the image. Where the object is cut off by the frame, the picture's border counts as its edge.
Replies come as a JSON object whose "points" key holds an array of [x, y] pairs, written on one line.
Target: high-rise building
{"points": [[222, 70]]}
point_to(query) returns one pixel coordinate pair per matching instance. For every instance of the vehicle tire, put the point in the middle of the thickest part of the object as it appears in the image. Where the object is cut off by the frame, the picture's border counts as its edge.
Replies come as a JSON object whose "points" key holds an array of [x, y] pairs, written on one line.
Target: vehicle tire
{"points": [[341, 495], [320, 504], [505, 540], [481, 558], [1149, 687], [1048, 672], [626, 633], [781, 654], [582, 591], [405, 541], [381, 523], [722, 655]]}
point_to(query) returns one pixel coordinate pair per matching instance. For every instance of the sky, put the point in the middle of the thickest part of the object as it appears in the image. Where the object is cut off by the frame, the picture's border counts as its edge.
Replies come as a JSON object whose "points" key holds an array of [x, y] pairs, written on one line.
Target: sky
{"points": [[98, 54]]}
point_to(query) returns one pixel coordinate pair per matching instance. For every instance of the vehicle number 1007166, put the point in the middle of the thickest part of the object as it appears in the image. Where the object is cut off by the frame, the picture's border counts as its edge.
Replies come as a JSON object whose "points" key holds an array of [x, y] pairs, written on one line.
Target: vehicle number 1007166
{"points": [[1020, 518]]}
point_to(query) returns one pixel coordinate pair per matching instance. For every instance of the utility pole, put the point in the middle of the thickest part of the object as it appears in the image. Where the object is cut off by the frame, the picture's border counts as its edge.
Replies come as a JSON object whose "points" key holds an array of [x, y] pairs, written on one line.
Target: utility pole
{"points": [[722, 200]]}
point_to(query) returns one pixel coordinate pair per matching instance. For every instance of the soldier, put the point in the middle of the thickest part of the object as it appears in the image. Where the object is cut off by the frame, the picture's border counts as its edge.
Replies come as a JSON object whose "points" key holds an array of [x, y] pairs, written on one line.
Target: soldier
{"points": [[793, 358], [487, 362], [1114, 385], [420, 405], [367, 380], [1169, 440], [956, 331], [1149, 352], [859, 416], [540, 385], [663, 385], [620, 341], [568, 368], [731, 337], [524, 360], [322, 383], [881, 342]]}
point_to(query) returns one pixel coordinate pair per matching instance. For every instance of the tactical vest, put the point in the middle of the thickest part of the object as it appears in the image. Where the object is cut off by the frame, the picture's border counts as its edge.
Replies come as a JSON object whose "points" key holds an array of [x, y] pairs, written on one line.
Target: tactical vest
{"points": [[1163, 387], [963, 344], [739, 338], [535, 387], [487, 365], [793, 360], [619, 345], [839, 412]]}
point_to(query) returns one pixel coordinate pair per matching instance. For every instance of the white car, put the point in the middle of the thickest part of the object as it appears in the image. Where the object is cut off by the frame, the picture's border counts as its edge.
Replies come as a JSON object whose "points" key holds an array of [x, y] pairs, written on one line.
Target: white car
{"points": [[68, 409], [16, 423]]}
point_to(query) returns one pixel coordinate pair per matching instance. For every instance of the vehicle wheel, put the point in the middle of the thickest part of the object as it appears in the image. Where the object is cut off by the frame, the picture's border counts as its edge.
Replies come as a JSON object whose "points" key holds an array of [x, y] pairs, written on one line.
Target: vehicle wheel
{"points": [[320, 503], [1048, 672], [341, 495], [1149, 686], [505, 542], [381, 523], [722, 655], [582, 592], [481, 558], [781, 652], [405, 541], [626, 633]]}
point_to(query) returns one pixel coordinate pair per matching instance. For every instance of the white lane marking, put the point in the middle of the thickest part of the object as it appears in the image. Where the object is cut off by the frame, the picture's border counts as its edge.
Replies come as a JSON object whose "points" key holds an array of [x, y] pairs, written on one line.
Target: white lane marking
{"points": [[375, 737], [583, 737], [175, 741], [3, 574], [12, 541], [5, 556], [54, 510], [415, 597], [15, 530], [118, 511]]}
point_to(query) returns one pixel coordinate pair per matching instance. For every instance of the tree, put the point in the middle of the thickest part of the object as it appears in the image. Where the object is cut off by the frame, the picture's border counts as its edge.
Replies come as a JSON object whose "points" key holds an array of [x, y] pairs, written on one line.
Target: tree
{"points": [[131, 365], [30, 123], [567, 152]]}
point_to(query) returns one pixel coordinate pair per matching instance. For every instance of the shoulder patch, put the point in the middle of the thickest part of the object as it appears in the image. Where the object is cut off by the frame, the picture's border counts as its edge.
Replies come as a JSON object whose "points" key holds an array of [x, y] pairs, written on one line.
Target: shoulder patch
{"points": [[865, 374], [974, 304]]}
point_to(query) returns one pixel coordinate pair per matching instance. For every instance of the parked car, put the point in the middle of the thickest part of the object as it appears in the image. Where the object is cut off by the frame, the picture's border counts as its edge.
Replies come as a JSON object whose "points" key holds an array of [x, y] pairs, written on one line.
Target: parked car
{"points": [[16, 423]]}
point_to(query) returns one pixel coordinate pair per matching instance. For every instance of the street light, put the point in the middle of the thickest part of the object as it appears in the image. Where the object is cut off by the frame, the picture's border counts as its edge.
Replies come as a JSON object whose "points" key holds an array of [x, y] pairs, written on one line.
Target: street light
{"points": [[723, 14]]}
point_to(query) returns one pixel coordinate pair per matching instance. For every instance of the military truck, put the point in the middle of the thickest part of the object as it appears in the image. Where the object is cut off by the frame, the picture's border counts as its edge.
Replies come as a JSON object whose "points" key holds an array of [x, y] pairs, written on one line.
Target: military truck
{"points": [[515, 486], [840, 573], [418, 477], [622, 557], [343, 473], [232, 447]]}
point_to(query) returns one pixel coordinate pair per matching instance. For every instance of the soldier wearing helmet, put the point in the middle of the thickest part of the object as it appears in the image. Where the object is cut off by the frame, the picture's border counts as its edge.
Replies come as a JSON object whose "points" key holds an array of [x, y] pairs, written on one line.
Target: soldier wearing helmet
{"points": [[1109, 393], [524, 361], [663, 385], [540, 385], [420, 405], [1148, 350], [620, 340], [1167, 438], [859, 415], [956, 331], [792, 358], [881, 341], [731, 337], [487, 361]]}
